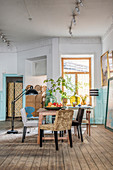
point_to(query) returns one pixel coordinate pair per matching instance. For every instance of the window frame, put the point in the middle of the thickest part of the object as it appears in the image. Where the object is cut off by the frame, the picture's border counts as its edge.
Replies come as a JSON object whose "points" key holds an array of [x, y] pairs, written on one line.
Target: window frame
{"points": [[88, 58]]}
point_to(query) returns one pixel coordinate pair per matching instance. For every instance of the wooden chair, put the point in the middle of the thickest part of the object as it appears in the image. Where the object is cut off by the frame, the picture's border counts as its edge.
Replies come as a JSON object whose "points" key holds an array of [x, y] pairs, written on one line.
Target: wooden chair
{"points": [[78, 122], [27, 123], [63, 121], [87, 121]]}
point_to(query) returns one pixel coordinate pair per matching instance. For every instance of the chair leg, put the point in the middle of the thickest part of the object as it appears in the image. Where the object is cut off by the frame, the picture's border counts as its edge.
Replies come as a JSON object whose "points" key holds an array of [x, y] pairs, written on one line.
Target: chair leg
{"points": [[41, 134], [62, 135], [75, 130], [24, 133], [70, 138], [56, 139], [81, 133], [87, 128], [78, 131]]}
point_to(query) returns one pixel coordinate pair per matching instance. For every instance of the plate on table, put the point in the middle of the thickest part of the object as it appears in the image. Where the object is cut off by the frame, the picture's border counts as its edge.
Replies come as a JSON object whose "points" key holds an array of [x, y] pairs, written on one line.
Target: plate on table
{"points": [[53, 108]]}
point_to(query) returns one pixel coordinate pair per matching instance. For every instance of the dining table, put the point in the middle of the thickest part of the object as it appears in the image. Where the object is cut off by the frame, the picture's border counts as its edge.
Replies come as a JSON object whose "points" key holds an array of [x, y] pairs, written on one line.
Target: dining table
{"points": [[44, 112]]}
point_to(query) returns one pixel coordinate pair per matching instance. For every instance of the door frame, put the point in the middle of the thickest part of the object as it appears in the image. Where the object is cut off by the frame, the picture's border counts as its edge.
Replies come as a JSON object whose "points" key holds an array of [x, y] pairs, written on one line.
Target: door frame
{"points": [[4, 91]]}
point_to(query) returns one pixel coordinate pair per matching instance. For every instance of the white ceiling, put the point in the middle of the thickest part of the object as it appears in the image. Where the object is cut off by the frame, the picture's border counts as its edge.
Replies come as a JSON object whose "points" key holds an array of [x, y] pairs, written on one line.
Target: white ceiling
{"points": [[51, 18]]}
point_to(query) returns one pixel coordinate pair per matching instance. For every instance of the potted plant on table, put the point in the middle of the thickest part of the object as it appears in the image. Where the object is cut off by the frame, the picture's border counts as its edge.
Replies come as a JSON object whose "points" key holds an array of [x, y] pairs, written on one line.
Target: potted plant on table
{"points": [[83, 102], [57, 86], [75, 98]]}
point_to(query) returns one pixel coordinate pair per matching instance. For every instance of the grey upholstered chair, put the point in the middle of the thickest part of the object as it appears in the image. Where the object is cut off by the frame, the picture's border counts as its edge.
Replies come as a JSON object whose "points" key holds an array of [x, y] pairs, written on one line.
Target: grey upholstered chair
{"points": [[27, 123]]}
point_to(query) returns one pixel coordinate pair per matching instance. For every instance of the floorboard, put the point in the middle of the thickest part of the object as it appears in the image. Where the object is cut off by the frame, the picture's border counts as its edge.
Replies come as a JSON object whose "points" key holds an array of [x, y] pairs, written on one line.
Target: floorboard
{"points": [[95, 153]]}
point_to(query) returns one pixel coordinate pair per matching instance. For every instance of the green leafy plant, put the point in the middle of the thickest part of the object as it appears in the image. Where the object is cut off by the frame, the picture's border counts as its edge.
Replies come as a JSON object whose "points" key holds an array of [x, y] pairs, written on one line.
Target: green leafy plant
{"points": [[84, 97], [72, 87], [57, 86]]}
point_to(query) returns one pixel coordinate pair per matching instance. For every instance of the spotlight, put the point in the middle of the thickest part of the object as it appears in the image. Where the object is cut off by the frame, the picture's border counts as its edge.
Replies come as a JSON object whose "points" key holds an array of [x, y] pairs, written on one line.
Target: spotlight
{"points": [[78, 3], [8, 43], [81, 4], [3, 39], [2, 35], [70, 32], [73, 19], [30, 19], [77, 9]]}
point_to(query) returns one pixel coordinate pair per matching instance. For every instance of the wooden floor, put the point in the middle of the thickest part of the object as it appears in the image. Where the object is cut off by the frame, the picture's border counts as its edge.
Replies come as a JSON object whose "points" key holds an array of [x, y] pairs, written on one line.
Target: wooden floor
{"points": [[96, 152]]}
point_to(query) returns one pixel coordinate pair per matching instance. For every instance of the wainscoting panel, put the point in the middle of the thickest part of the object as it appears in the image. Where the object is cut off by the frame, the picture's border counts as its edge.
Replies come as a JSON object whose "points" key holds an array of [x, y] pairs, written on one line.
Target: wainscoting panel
{"points": [[100, 108], [1, 107]]}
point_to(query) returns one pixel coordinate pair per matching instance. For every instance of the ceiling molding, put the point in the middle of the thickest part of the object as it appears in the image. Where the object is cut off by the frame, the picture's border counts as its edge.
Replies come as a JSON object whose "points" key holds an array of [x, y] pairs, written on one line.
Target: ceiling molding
{"points": [[80, 40]]}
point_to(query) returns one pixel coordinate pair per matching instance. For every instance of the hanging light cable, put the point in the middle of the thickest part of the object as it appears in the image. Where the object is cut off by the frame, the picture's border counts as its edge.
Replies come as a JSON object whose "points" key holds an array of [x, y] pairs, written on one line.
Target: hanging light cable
{"points": [[76, 10], [70, 29], [73, 19], [29, 16], [81, 3]]}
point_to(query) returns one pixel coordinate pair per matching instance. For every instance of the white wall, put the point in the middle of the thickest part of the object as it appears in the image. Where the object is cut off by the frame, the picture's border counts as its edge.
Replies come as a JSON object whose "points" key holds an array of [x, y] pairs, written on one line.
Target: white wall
{"points": [[107, 40], [29, 78], [8, 62], [54, 48], [42, 47], [35, 80]]}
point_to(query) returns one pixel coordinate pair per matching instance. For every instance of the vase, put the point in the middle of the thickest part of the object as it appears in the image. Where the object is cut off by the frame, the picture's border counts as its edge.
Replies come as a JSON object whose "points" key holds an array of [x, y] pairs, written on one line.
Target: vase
{"points": [[50, 98], [72, 100], [64, 102], [83, 102], [75, 98]]}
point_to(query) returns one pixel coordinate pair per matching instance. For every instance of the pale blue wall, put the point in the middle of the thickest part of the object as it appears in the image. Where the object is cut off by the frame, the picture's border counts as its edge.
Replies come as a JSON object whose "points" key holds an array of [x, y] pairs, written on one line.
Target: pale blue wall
{"points": [[100, 108], [1, 106]]}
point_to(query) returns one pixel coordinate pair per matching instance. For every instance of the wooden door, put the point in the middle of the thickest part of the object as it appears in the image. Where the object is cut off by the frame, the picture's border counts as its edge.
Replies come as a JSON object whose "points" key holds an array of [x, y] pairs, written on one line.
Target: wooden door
{"points": [[14, 89]]}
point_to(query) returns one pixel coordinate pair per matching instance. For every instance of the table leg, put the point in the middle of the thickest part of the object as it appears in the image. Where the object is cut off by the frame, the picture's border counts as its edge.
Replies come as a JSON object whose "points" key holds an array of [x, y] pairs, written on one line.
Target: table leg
{"points": [[39, 123], [87, 119], [89, 122]]}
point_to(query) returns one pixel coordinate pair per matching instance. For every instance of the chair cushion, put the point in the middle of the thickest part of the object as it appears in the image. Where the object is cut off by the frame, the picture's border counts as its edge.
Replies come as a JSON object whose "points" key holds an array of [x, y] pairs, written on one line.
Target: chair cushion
{"points": [[85, 121], [33, 118], [75, 123], [31, 123], [47, 127]]}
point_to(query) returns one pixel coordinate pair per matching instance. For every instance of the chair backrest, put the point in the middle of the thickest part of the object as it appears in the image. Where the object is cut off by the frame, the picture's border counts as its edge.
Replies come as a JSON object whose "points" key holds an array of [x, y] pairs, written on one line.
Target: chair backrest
{"points": [[80, 115], [79, 110], [23, 114], [29, 110], [63, 120]]}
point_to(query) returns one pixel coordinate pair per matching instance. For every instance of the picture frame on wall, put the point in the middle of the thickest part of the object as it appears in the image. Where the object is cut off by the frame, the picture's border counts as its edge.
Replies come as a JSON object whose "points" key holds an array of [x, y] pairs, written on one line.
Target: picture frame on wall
{"points": [[109, 106], [111, 63], [105, 74]]}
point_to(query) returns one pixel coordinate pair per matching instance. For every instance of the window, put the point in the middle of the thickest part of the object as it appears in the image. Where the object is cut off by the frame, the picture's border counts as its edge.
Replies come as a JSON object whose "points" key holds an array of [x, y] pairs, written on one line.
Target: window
{"points": [[78, 72]]}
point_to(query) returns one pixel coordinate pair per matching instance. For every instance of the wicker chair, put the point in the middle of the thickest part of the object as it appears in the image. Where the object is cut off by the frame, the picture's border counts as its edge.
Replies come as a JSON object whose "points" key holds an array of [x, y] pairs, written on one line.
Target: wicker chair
{"points": [[63, 121]]}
